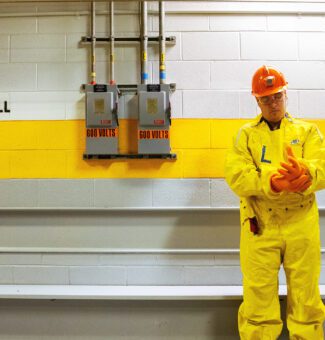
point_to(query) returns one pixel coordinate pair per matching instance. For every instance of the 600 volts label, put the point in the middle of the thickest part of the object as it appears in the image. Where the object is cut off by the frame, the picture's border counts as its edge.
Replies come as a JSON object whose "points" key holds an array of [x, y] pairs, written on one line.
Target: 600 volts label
{"points": [[102, 133], [153, 134]]}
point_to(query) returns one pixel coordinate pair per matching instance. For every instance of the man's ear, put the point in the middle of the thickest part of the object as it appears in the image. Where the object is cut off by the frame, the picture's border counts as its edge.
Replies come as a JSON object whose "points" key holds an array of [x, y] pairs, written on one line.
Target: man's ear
{"points": [[285, 94]]}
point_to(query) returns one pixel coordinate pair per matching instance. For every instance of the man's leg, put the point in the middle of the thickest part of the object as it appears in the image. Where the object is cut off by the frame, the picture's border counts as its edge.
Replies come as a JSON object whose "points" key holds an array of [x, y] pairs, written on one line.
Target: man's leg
{"points": [[260, 257], [305, 309]]}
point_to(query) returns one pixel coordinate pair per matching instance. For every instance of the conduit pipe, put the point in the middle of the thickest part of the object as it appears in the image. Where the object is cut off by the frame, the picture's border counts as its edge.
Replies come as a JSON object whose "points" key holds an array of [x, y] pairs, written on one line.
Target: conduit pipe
{"points": [[189, 251], [209, 8], [93, 43], [162, 43], [197, 251], [112, 46], [144, 42]]}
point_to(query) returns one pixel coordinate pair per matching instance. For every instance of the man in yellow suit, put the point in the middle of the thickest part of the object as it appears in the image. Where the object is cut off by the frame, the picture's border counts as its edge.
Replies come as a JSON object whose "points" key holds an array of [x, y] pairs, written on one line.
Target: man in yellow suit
{"points": [[275, 165]]}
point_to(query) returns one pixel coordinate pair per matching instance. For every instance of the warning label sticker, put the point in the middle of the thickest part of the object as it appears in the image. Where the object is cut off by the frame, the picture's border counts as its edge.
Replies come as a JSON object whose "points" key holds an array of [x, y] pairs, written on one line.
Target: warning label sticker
{"points": [[152, 106], [101, 133], [153, 134]]}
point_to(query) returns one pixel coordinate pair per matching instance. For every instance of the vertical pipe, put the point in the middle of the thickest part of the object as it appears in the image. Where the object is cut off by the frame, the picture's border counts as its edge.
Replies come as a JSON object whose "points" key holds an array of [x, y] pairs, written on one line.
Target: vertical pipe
{"points": [[162, 43], [112, 49], [93, 43], [144, 43]]}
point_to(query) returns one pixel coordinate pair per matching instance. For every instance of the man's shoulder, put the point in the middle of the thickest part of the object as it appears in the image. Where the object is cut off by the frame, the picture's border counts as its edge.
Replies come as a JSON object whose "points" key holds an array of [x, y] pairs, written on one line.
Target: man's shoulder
{"points": [[250, 125], [245, 130], [301, 123]]}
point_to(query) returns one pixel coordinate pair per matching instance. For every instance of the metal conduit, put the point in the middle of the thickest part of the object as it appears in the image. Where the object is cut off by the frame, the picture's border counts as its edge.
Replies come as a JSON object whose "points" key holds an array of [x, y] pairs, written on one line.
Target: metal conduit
{"points": [[86, 13], [292, 7], [144, 42], [256, 1], [162, 43], [112, 47], [127, 209], [93, 43], [220, 251], [123, 251]]}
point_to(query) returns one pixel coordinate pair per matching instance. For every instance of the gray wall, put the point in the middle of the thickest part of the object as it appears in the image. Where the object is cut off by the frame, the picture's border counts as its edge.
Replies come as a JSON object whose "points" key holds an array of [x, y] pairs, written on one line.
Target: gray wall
{"points": [[120, 320], [98, 232], [109, 232]]}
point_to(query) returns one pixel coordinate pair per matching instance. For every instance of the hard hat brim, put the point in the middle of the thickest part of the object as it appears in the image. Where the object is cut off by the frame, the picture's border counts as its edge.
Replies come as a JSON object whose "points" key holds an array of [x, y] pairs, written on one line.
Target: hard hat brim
{"points": [[269, 92]]}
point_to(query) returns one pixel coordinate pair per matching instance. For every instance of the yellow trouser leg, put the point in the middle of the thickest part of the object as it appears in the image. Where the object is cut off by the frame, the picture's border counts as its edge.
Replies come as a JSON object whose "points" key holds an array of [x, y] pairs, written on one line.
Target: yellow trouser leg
{"points": [[305, 309], [259, 314]]}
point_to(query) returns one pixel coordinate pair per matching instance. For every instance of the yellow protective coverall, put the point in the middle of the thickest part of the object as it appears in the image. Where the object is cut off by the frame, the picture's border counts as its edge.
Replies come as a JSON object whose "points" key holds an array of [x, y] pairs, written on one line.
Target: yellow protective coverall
{"points": [[288, 230]]}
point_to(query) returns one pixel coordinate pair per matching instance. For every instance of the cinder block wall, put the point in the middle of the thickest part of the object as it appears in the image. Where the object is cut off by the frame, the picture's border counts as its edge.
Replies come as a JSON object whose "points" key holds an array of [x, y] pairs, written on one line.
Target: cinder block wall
{"points": [[42, 66], [67, 221]]}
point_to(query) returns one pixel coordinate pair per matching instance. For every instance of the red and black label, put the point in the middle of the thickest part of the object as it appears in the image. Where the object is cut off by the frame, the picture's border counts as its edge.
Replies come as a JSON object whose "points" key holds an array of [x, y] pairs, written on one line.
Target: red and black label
{"points": [[101, 133], [153, 134]]}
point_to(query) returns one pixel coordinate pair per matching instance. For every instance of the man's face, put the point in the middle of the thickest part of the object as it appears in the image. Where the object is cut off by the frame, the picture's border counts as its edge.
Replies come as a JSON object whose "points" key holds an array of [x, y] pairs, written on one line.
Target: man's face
{"points": [[273, 107]]}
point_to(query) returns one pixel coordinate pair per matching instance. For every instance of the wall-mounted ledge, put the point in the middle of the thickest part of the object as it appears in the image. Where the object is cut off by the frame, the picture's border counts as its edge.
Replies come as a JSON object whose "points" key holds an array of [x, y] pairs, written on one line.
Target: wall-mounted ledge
{"points": [[74, 292], [123, 292], [121, 209], [125, 209], [122, 251]]}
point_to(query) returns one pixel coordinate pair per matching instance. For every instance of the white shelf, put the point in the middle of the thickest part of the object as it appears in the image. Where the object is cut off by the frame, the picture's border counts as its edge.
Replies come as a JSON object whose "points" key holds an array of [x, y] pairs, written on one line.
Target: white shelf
{"points": [[81, 292]]}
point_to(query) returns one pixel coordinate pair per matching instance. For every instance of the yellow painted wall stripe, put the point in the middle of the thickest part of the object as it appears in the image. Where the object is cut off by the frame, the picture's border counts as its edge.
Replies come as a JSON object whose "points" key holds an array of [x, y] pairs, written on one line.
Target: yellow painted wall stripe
{"points": [[54, 149]]}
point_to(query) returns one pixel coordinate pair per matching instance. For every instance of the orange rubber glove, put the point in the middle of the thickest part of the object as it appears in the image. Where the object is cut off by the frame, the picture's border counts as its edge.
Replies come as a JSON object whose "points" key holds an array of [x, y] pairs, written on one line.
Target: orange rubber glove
{"points": [[296, 173], [279, 183], [294, 177], [300, 184], [293, 169]]}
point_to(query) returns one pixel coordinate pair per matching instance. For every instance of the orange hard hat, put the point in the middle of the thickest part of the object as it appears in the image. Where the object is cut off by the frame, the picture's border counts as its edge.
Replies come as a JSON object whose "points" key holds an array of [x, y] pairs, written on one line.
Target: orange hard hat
{"points": [[267, 80]]}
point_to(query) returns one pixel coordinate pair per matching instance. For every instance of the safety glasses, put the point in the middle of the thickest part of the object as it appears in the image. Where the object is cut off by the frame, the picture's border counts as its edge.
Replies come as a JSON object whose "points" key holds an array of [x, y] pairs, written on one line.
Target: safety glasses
{"points": [[266, 100]]}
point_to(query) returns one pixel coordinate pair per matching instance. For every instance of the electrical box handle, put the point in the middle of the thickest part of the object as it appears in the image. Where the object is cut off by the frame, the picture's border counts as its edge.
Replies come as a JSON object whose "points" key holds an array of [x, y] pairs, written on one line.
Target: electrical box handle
{"points": [[169, 114]]}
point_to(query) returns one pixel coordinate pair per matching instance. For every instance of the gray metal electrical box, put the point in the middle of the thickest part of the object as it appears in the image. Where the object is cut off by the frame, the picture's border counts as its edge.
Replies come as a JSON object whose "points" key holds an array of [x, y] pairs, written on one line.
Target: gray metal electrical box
{"points": [[154, 119], [101, 120]]}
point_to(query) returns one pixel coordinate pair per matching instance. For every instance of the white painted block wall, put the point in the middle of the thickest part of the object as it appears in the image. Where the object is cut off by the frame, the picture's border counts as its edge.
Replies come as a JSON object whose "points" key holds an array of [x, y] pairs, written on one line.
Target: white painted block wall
{"points": [[218, 47], [42, 64]]}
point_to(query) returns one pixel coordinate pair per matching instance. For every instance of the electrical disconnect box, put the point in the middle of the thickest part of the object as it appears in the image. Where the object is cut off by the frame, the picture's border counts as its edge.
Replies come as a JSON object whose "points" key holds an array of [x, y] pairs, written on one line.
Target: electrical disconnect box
{"points": [[154, 120], [102, 140], [101, 120]]}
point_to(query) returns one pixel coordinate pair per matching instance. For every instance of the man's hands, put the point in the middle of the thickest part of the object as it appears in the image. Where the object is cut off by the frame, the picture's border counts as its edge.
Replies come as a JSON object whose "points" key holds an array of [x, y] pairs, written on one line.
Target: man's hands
{"points": [[292, 177], [280, 183]]}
